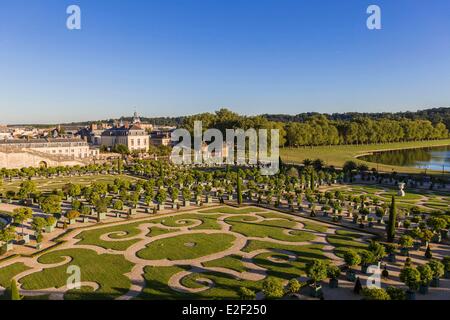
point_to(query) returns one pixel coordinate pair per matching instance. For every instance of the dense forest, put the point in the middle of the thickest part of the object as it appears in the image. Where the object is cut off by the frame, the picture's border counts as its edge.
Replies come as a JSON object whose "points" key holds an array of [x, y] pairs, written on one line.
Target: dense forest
{"points": [[435, 115], [318, 130]]}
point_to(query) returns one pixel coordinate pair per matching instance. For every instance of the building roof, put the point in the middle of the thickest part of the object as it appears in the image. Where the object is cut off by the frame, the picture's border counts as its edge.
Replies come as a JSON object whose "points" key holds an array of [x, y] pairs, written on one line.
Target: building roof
{"points": [[123, 130], [44, 140]]}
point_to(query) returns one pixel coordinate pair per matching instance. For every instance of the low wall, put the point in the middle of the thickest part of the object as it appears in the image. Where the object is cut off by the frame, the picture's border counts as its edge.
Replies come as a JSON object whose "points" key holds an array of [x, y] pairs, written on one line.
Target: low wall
{"points": [[24, 159]]}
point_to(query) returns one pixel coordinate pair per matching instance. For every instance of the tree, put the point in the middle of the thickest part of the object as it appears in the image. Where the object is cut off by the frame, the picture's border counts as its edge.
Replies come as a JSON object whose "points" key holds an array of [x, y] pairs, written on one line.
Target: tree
{"points": [[396, 293], [392, 221], [118, 205], [51, 204], [122, 149], [352, 258], [410, 276], [273, 288], [428, 253], [333, 271], [246, 294], [13, 292], [73, 190], [316, 270], [293, 286], [426, 274], [375, 294], [50, 220], [377, 249], [38, 224], [26, 188], [186, 194], [349, 167], [21, 215], [239, 188], [406, 241], [72, 214], [358, 286], [101, 205], [437, 268], [436, 223], [367, 257], [7, 234], [161, 196]]}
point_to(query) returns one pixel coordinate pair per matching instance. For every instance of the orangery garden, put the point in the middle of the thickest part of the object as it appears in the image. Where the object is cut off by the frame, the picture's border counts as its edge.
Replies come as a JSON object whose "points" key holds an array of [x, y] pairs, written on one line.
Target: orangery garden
{"points": [[150, 230]]}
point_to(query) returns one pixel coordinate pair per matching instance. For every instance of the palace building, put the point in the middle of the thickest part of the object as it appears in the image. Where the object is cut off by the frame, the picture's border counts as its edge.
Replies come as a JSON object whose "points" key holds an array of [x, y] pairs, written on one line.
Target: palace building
{"points": [[19, 153], [134, 137]]}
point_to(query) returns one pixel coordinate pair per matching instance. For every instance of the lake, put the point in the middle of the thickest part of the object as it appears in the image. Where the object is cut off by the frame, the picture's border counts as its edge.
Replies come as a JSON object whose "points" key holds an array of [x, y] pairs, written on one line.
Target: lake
{"points": [[435, 158]]}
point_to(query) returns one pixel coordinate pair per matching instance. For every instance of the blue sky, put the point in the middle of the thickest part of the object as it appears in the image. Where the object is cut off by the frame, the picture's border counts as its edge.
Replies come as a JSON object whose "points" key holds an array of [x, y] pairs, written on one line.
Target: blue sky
{"points": [[167, 57]]}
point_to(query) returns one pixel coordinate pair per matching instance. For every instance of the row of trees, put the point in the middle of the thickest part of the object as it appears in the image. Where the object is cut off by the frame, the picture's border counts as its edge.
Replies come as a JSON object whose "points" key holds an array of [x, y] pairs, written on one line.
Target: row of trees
{"points": [[319, 130]]}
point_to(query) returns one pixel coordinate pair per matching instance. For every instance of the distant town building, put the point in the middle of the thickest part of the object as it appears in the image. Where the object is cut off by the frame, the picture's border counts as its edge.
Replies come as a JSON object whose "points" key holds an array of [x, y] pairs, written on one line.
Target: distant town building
{"points": [[161, 138], [92, 134], [137, 120]]}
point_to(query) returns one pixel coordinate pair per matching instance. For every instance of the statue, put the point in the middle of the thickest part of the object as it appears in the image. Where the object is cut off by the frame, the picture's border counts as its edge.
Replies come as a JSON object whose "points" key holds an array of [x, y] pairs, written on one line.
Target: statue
{"points": [[401, 186]]}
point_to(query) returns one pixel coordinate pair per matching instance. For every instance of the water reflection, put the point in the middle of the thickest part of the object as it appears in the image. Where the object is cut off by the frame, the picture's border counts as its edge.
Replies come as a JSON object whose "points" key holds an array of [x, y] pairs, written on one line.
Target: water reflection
{"points": [[436, 158]]}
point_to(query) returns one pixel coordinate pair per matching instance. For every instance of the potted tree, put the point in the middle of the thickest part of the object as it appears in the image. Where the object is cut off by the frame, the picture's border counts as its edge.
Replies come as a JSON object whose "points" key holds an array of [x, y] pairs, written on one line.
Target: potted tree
{"points": [[426, 275], [370, 222], [390, 250], [293, 287], [51, 223], [351, 259], [375, 294], [446, 263], [316, 270], [161, 198], [377, 249], [272, 288], [174, 192], [367, 259], [406, 243], [379, 212], [186, 197], [333, 272], [438, 270], [7, 235], [411, 278], [72, 215]]}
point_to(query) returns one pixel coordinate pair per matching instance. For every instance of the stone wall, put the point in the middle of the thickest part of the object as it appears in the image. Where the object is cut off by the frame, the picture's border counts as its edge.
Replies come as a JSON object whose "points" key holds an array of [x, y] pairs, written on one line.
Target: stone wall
{"points": [[30, 158]]}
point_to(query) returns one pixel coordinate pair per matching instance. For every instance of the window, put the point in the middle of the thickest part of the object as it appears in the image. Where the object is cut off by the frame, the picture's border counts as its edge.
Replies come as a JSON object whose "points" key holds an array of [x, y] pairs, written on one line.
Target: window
{"points": [[139, 142], [132, 142]]}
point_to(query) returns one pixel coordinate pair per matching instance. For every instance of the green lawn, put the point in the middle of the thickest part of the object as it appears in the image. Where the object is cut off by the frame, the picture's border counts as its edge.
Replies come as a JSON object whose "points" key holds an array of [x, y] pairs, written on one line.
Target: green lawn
{"points": [[156, 279], [225, 286], [7, 273], [344, 241], [187, 246], [338, 155], [107, 270], [92, 237], [232, 262], [274, 229], [209, 221]]}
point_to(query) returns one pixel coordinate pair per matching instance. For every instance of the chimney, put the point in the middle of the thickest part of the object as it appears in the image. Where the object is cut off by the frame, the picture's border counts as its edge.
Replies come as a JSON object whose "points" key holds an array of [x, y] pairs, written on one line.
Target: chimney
{"points": [[127, 125]]}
